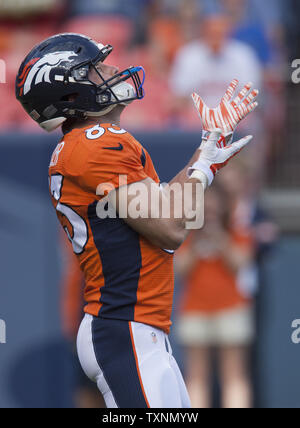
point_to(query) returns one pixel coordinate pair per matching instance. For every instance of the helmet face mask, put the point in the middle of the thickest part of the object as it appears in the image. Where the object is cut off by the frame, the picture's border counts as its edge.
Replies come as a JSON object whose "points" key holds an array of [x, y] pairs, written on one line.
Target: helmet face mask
{"points": [[105, 93], [53, 81]]}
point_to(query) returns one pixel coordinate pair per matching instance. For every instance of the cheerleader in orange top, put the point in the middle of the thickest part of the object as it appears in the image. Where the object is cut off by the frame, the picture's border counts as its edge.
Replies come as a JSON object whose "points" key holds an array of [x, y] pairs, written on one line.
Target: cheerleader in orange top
{"points": [[213, 311]]}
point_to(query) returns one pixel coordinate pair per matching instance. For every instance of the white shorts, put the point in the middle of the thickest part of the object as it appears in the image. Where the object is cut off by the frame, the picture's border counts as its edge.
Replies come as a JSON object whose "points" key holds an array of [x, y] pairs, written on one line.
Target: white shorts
{"points": [[231, 327], [131, 363]]}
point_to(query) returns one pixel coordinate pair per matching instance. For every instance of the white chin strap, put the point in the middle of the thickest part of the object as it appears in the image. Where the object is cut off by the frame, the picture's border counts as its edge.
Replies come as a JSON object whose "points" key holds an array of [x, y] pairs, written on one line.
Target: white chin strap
{"points": [[122, 90]]}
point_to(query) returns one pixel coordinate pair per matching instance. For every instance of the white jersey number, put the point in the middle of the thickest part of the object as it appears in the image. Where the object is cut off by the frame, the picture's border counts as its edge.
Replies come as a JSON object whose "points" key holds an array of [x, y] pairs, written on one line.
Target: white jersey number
{"points": [[80, 231], [97, 131]]}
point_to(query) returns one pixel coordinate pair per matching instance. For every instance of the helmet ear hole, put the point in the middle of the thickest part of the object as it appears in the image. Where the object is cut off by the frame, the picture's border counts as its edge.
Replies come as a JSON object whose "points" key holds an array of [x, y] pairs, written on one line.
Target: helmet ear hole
{"points": [[69, 97]]}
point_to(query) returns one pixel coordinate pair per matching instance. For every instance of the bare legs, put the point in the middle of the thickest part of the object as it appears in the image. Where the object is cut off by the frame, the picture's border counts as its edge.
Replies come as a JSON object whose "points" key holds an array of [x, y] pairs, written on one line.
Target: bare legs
{"points": [[233, 374], [198, 376], [235, 377]]}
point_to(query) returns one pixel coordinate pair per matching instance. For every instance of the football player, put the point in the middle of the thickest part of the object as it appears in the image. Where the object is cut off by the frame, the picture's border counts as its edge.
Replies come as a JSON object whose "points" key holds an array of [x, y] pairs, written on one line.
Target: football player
{"points": [[127, 262]]}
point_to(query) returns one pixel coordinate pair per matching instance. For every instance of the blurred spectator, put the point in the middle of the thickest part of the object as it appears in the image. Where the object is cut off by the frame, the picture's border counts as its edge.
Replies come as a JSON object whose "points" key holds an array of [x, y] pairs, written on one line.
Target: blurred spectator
{"points": [[267, 13], [291, 17], [214, 313], [240, 183], [166, 34], [258, 24], [208, 65], [247, 30], [171, 7], [22, 25], [72, 284], [86, 393], [18, 41], [20, 9], [153, 111], [100, 28], [174, 29], [134, 10]]}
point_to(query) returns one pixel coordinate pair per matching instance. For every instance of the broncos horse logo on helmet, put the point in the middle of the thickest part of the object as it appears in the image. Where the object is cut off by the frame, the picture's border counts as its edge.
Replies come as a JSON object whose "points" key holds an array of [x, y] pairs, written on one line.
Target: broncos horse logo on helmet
{"points": [[59, 67], [39, 68]]}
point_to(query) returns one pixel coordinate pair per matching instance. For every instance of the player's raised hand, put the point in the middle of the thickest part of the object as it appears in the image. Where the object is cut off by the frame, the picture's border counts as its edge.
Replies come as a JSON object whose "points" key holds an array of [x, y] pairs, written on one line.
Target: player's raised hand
{"points": [[231, 110], [213, 157]]}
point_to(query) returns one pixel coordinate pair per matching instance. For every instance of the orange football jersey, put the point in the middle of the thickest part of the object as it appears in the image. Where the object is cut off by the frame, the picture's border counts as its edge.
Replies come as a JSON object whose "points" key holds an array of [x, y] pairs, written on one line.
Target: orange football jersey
{"points": [[126, 277]]}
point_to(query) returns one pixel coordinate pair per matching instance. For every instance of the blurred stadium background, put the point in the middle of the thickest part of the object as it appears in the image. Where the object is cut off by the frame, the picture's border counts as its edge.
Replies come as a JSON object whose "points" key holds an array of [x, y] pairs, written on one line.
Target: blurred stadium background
{"points": [[184, 45]]}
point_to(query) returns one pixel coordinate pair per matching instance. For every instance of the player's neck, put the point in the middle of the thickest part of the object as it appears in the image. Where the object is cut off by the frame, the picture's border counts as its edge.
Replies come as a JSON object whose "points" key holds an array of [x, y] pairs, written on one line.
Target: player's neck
{"points": [[113, 116]]}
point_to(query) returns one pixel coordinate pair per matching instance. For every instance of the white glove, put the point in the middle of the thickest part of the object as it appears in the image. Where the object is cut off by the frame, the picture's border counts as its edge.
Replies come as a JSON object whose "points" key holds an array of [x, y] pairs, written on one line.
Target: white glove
{"points": [[229, 112], [212, 158]]}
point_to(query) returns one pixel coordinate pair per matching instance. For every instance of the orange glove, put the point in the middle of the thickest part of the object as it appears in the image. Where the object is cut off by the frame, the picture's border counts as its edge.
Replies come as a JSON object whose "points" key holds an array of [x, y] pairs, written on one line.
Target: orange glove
{"points": [[229, 112]]}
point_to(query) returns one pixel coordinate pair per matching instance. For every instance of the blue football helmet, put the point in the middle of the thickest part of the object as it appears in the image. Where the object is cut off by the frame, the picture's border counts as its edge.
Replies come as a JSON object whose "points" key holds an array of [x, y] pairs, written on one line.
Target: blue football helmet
{"points": [[58, 68]]}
